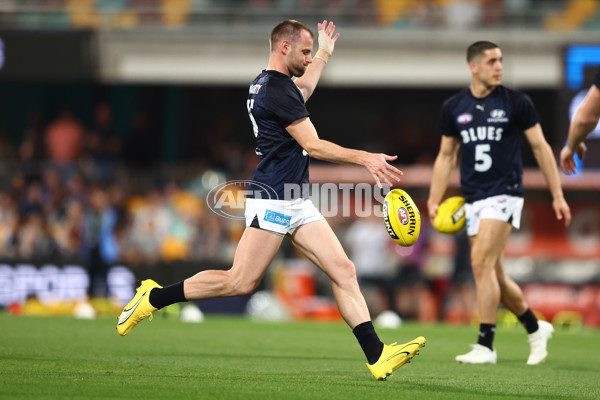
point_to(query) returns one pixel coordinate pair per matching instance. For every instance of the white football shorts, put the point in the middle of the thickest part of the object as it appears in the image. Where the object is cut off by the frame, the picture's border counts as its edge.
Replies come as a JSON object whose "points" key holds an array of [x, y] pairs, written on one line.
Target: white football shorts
{"points": [[280, 216], [503, 207]]}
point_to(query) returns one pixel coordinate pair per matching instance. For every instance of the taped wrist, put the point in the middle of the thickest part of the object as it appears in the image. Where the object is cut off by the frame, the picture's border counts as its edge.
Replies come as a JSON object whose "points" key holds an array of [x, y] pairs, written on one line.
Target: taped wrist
{"points": [[323, 55]]}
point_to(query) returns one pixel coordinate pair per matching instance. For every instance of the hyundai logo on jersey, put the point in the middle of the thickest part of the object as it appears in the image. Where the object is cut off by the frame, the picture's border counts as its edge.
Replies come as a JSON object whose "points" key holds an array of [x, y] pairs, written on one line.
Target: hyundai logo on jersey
{"points": [[277, 218], [498, 115], [464, 118]]}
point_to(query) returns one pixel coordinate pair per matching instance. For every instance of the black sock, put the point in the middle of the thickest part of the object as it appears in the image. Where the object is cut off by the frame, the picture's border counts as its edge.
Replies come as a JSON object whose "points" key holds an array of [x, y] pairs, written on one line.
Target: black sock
{"points": [[369, 341], [168, 295], [486, 335], [529, 321]]}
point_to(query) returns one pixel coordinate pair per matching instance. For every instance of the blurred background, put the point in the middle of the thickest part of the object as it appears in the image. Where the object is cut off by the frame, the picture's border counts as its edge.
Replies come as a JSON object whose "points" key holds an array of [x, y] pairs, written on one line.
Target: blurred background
{"points": [[117, 117]]}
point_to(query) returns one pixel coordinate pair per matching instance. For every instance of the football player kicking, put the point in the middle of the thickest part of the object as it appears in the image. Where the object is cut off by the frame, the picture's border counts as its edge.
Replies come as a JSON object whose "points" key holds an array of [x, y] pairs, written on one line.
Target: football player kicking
{"points": [[485, 122], [286, 140]]}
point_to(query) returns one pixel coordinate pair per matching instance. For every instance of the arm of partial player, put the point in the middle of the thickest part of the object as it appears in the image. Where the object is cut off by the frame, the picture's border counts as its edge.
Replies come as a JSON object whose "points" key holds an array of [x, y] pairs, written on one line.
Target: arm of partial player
{"points": [[585, 120], [305, 134], [545, 159], [442, 168]]}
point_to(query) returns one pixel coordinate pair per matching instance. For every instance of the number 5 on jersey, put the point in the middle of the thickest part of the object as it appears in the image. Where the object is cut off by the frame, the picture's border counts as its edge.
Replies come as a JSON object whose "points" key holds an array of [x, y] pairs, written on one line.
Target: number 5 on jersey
{"points": [[483, 161]]}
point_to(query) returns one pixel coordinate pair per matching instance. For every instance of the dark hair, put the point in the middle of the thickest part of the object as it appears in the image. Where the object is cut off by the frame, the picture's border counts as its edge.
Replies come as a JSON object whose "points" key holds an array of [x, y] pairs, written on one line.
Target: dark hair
{"points": [[478, 48], [288, 30]]}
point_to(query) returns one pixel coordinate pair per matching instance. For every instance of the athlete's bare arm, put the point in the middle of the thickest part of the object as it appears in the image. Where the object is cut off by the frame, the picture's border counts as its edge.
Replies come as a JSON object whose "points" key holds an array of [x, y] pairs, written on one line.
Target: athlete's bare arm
{"points": [[305, 134], [545, 159], [442, 167], [585, 120], [308, 82]]}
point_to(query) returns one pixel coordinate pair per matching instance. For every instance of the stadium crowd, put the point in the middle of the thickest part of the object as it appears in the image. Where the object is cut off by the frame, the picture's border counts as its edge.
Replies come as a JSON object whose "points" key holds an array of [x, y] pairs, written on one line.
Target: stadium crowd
{"points": [[63, 194], [454, 14]]}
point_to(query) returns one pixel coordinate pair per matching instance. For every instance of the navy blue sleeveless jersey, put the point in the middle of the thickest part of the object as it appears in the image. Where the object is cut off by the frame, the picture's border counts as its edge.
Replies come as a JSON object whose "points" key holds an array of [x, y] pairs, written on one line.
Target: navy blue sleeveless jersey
{"points": [[490, 131], [274, 102]]}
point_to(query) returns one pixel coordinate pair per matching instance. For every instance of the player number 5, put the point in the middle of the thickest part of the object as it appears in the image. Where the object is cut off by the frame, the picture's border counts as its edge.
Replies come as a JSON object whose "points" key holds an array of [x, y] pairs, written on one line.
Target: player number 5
{"points": [[483, 161]]}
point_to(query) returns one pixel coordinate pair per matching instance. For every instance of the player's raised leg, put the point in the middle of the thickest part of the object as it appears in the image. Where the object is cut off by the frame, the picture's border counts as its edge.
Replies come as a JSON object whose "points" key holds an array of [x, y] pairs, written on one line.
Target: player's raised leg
{"points": [[486, 248], [317, 241], [539, 332], [253, 255]]}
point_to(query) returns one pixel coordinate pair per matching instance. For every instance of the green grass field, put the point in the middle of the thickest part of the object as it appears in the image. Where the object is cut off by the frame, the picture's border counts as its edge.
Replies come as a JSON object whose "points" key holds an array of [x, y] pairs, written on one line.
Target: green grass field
{"points": [[234, 358]]}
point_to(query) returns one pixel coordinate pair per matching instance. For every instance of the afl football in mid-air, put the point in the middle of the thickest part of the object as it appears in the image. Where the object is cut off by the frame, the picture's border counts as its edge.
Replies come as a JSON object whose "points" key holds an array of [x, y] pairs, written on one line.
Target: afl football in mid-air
{"points": [[450, 216], [401, 217]]}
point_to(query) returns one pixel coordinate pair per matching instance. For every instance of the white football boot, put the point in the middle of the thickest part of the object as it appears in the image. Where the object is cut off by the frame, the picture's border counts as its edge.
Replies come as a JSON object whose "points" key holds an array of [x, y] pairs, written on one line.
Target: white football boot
{"points": [[478, 355], [538, 341]]}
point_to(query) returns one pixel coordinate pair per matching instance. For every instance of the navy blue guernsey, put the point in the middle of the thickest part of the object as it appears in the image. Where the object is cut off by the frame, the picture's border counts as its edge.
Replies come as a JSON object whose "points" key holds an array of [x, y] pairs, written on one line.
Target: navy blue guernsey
{"points": [[274, 102], [490, 131]]}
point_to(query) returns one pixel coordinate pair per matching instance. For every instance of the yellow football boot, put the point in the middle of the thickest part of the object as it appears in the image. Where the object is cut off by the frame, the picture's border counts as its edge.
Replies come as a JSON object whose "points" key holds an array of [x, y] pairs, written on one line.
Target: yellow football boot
{"points": [[138, 308], [394, 356]]}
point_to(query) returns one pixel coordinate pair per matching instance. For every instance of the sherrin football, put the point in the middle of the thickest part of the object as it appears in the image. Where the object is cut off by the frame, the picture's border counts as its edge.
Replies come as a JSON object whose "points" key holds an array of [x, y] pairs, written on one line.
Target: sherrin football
{"points": [[401, 217], [450, 216]]}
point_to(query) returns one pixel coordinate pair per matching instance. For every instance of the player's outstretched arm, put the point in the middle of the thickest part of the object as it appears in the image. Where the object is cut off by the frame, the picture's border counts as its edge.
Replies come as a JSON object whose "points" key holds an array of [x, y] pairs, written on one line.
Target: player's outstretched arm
{"points": [[585, 120], [442, 167], [545, 159], [308, 82], [305, 134]]}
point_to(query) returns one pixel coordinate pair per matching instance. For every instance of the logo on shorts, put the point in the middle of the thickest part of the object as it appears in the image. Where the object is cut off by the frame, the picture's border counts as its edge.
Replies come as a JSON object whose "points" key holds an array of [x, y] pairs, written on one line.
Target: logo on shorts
{"points": [[228, 199], [277, 218], [403, 216], [464, 118]]}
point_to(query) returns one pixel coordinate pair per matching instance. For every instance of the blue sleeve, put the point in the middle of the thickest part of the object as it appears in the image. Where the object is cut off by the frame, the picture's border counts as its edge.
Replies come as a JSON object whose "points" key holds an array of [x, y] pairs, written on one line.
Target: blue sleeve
{"points": [[525, 113], [447, 127], [286, 102]]}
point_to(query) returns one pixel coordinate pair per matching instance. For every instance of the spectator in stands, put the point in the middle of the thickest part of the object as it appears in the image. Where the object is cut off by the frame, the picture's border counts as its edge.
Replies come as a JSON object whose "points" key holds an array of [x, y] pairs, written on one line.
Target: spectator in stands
{"points": [[64, 143], [53, 194], [68, 231], [18, 187], [209, 238], [99, 246], [150, 226], [30, 237], [33, 197], [103, 144]]}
